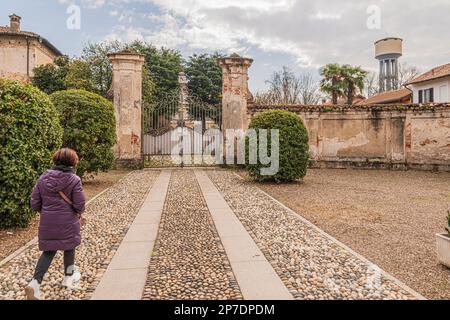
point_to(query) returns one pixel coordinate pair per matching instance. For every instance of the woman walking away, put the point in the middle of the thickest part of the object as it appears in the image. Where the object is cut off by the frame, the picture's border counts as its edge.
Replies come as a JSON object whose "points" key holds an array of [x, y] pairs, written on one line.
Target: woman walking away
{"points": [[59, 198]]}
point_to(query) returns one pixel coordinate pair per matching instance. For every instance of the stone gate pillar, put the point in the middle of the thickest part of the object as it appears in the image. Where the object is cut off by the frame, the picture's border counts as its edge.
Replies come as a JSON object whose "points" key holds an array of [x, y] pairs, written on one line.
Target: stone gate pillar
{"points": [[235, 92], [127, 88]]}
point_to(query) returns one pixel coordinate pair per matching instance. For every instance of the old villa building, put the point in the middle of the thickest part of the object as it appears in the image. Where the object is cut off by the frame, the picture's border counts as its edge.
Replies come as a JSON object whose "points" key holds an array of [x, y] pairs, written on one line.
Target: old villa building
{"points": [[22, 51]]}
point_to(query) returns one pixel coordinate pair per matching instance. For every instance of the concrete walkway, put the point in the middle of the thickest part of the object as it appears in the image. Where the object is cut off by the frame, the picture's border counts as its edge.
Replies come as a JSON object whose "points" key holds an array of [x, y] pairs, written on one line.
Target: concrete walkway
{"points": [[254, 274], [126, 275]]}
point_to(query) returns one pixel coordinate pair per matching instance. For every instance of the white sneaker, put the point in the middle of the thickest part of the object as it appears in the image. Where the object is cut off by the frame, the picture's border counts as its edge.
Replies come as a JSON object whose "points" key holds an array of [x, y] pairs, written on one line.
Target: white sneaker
{"points": [[32, 291], [70, 282]]}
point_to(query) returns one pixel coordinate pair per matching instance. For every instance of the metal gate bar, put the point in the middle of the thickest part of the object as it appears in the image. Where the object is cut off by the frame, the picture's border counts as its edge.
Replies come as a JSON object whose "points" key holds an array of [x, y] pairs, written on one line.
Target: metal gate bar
{"points": [[174, 128]]}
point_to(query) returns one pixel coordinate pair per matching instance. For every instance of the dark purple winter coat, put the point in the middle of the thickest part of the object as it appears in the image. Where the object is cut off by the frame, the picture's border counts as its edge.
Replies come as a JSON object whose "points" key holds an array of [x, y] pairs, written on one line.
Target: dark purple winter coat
{"points": [[59, 227]]}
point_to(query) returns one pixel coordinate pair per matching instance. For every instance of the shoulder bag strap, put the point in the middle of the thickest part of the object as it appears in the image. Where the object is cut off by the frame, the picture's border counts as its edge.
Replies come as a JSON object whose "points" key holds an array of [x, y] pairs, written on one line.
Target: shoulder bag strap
{"points": [[65, 198]]}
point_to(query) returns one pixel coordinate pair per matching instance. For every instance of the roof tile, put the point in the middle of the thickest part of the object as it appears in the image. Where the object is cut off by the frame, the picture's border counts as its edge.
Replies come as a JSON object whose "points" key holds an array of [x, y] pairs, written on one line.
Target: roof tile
{"points": [[7, 30], [387, 97], [435, 73]]}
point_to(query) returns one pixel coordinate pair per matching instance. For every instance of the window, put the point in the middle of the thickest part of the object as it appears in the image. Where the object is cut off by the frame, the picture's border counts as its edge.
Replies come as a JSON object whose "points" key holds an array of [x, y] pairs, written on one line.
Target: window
{"points": [[426, 96]]}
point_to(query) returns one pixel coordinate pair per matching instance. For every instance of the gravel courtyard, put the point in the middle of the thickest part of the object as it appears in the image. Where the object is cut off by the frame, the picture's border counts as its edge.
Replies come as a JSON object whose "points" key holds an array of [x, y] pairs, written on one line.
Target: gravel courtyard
{"points": [[389, 217], [211, 229], [312, 266]]}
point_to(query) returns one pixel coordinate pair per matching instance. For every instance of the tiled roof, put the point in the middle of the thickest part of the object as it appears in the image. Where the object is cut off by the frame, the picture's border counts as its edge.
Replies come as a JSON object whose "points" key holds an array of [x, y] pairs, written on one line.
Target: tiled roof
{"points": [[387, 97], [7, 31], [438, 72]]}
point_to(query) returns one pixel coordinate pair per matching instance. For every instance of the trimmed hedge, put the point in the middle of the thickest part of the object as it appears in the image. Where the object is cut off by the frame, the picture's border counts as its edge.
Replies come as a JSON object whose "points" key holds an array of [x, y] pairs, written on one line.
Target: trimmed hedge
{"points": [[294, 147], [89, 127], [29, 134]]}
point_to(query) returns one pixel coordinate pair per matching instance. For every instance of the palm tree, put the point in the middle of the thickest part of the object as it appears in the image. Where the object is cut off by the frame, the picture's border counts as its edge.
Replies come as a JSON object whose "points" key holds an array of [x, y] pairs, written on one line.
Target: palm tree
{"points": [[354, 80], [333, 81]]}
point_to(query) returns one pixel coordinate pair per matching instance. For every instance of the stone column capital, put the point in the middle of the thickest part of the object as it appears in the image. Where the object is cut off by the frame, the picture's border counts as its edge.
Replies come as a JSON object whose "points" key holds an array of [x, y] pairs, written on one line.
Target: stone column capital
{"points": [[126, 55], [235, 60], [127, 60]]}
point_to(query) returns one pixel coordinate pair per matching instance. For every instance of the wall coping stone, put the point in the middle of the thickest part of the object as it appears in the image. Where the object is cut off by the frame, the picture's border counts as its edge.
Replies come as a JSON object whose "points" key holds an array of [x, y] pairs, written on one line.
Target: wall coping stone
{"points": [[254, 108]]}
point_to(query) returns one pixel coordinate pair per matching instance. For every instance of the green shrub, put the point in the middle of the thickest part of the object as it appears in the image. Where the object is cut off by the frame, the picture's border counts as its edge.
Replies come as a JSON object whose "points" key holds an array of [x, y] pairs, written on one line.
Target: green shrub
{"points": [[294, 147], [89, 126], [29, 134], [52, 77]]}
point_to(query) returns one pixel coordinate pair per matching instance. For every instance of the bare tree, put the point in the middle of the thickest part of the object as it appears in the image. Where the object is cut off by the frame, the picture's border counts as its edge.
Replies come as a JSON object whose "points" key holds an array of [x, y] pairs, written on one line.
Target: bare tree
{"points": [[309, 90], [287, 88], [407, 73], [371, 85], [265, 98], [284, 86]]}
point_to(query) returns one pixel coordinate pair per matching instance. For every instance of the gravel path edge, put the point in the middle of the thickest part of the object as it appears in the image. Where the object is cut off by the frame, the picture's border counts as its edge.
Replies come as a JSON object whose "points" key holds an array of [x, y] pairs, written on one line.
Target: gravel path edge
{"points": [[35, 239], [402, 285]]}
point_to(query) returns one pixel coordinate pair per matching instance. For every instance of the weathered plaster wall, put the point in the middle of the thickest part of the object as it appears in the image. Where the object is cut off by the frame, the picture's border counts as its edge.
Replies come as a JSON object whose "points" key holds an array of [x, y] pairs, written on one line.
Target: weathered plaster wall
{"points": [[13, 57], [398, 137], [41, 55]]}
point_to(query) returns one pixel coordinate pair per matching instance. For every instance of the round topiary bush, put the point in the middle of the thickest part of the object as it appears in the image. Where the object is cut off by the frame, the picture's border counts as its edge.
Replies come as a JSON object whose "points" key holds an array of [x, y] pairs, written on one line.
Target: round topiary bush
{"points": [[89, 126], [293, 147], [29, 134]]}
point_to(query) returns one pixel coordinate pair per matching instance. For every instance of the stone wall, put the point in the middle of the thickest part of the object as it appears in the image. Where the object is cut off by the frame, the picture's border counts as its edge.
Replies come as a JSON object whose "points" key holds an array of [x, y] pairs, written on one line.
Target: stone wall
{"points": [[394, 137]]}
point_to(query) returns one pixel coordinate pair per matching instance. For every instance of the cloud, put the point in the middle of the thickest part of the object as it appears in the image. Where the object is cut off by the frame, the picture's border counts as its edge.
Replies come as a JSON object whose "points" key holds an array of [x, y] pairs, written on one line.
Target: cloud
{"points": [[311, 33], [90, 4]]}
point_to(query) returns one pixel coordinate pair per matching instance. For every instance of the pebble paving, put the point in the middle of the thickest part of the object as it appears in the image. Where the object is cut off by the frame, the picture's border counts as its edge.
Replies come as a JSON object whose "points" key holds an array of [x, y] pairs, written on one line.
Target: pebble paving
{"points": [[109, 217], [309, 263], [189, 261]]}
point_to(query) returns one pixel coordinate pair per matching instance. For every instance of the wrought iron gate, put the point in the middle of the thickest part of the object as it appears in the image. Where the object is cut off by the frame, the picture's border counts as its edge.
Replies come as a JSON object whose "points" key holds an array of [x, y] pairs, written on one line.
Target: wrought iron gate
{"points": [[177, 131]]}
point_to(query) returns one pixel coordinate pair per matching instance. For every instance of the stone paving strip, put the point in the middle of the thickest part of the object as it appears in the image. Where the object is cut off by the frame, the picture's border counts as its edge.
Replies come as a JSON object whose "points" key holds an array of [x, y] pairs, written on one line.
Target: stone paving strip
{"points": [[311, 264], [109, 217], [189, 261], [127, 273], [255, 275]]}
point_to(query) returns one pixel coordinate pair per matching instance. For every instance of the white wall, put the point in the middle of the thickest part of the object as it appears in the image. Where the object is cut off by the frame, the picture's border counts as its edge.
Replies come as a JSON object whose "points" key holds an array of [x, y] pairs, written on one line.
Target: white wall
{"points": [[441, 90]]}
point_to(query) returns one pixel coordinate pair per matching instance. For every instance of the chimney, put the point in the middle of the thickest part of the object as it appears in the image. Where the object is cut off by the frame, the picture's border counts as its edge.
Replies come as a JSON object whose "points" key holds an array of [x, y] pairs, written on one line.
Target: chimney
{"points": [[15, 23]]}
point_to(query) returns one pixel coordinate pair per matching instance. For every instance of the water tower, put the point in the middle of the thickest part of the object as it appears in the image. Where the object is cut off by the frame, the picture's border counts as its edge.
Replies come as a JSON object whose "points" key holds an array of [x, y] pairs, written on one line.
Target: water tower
{"points": [[388, 51]]}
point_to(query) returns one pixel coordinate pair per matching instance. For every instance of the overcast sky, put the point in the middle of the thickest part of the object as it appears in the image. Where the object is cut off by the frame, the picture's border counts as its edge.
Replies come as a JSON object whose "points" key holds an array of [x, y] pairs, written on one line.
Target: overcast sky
{"points": [[302, 34]]}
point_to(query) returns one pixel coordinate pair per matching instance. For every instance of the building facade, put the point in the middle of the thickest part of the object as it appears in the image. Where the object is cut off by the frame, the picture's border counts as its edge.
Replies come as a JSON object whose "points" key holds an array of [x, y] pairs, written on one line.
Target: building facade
{"points": [[432, 86], [22, 51]]}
